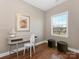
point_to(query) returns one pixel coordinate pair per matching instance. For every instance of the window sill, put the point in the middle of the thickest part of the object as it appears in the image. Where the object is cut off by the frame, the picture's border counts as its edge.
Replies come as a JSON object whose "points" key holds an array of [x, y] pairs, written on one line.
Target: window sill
{"points": [[65, 36]]}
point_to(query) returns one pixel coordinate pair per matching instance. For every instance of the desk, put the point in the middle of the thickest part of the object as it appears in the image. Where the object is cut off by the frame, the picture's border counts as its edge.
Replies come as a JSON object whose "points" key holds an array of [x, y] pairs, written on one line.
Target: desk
{"points": [[16, 41]]}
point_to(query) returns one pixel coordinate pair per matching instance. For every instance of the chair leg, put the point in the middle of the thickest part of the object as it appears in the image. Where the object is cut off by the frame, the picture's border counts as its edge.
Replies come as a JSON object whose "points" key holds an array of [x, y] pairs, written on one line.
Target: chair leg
{"points": [[30, 51], [24, 51], [34, 49]]}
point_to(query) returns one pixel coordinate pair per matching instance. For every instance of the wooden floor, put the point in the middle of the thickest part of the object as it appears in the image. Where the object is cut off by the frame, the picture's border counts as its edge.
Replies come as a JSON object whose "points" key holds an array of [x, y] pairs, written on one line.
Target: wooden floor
{"points": [[44, 52]]}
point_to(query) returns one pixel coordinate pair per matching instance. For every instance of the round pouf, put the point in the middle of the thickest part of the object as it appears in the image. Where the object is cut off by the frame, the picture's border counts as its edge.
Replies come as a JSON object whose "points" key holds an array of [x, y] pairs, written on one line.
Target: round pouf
{"points": [[62, 46], [51, 43]]}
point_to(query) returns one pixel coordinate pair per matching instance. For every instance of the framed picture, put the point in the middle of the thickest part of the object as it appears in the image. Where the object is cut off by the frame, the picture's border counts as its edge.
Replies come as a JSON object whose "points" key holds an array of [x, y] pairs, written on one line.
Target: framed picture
{"points": [[23, 23]]}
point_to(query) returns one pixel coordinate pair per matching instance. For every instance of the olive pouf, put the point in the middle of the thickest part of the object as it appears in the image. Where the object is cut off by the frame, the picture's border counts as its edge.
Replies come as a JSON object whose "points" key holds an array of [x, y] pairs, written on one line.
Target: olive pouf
{"points": [[51, 43], [62, 46]]}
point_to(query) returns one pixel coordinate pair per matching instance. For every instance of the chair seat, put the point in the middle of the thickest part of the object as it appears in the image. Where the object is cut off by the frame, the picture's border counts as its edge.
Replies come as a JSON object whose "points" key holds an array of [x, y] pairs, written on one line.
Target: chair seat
{"points": [[28, 44]]}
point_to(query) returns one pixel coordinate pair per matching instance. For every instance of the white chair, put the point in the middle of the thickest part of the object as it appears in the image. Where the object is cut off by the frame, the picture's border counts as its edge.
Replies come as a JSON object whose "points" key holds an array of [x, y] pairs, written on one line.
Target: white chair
{"points": [[30, 44]]}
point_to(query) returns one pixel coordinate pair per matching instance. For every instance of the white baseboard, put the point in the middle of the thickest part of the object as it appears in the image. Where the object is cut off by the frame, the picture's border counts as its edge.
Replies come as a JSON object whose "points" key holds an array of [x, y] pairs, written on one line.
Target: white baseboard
{"points": [[20, 49], [73, 50], [7, 53], [41, 42]]}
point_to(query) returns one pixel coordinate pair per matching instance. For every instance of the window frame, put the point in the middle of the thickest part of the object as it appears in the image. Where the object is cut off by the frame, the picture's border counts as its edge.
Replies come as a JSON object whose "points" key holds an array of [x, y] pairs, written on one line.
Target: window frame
{"points": [[59, 14]]}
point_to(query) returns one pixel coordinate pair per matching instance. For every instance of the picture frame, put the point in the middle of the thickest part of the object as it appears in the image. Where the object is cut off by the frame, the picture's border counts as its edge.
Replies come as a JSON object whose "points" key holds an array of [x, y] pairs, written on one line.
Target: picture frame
{"points": [[23, 23]]}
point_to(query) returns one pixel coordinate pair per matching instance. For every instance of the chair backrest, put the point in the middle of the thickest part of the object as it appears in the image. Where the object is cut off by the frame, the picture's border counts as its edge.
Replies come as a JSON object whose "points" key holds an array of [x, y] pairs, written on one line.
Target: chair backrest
{"points": [[32, 39]]}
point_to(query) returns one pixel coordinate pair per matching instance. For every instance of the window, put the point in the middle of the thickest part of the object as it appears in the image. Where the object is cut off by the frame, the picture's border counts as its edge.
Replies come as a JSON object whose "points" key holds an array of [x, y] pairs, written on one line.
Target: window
{"points": [[59, 24]]}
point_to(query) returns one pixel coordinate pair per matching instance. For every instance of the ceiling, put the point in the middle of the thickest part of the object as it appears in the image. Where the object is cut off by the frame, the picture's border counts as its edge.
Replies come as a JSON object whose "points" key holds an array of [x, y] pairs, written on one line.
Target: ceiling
{"points": [[44, 4]]}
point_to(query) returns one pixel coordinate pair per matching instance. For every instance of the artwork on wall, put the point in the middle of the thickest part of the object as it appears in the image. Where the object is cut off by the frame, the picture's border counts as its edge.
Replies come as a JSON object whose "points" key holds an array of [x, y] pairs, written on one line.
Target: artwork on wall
{"points": [[23, 23]]}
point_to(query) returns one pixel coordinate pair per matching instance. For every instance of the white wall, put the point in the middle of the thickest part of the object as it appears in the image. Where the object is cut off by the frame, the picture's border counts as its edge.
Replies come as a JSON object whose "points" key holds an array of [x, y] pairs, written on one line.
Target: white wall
{"points": [[8, 10], [73, 23]]}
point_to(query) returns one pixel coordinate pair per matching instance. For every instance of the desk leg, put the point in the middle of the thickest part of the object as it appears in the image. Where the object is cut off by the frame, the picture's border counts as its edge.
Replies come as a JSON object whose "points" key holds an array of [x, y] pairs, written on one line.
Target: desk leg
{"points": [[9, 49], [17, 49]]}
